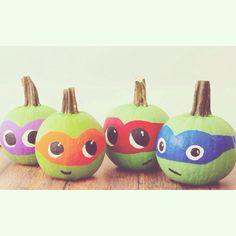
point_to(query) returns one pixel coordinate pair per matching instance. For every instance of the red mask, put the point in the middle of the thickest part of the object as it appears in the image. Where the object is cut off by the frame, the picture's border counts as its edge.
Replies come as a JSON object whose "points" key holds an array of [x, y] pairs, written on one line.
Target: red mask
{"points": [[132, 137]]}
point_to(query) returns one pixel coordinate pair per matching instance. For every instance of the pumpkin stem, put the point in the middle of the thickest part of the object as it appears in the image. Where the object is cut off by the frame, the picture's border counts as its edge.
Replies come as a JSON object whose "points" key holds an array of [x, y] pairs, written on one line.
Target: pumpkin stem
{"points": [[140, 98], [69, 103], [202, 99], [30, 91]]}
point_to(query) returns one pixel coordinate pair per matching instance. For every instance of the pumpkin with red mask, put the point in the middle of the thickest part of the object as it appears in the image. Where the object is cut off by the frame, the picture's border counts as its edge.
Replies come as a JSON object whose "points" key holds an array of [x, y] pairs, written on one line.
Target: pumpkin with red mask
{"points": [[131, 131]]}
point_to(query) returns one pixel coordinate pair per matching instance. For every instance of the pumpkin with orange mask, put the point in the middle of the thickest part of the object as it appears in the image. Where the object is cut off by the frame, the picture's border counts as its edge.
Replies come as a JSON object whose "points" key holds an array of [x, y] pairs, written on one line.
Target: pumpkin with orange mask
{"points": [[70, 145]]}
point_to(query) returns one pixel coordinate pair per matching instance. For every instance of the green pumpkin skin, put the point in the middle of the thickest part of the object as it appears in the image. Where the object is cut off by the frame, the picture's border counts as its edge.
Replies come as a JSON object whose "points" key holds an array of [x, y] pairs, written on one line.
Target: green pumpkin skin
{"points": [[200, 174], [131, 112], [78, 172], [133, 161], [21, 116], [72, 125]]}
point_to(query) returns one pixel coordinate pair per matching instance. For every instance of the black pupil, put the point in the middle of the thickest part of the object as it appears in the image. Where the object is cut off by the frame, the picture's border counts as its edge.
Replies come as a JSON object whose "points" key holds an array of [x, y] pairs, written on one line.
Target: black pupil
{"points": [[56, 148], [91, 147], [140, 136], [195, 152], [32, 137], [161, 146], [10, 139], [112, 135]]}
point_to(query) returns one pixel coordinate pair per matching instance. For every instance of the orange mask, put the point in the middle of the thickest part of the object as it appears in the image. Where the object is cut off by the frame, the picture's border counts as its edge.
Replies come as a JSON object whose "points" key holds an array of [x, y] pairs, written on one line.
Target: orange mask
{"points": [[59, 148]]}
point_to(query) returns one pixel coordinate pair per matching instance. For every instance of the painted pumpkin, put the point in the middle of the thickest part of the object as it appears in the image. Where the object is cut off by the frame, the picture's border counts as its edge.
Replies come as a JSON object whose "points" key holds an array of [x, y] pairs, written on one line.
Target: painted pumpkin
{"points": [[70, 145], [197, 148], [19, 129], [131, 132]]}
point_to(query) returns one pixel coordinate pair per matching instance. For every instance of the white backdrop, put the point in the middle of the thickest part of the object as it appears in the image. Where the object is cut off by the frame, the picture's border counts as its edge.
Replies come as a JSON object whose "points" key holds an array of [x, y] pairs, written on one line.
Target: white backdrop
{"points": [[104, 76]]}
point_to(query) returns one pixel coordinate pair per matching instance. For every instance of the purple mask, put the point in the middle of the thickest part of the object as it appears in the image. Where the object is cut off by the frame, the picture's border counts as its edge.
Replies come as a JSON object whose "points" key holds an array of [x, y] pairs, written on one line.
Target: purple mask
{"points": [[19, 140]]}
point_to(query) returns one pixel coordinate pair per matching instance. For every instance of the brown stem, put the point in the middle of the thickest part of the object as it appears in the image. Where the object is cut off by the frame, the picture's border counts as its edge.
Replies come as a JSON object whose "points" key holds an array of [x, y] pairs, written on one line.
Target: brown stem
{"points": [[140, 98], [69, 103], [30, 91], [202, 99]]}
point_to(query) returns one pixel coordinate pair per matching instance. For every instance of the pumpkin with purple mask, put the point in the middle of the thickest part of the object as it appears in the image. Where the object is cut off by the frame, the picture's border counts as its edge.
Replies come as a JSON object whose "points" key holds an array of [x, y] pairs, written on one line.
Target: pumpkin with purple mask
{"points": [[20, 126]]}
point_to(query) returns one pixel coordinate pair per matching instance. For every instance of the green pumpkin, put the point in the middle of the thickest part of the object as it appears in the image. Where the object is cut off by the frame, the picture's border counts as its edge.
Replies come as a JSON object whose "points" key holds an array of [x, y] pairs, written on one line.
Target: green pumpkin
{"points": [[131, 132], [70, 144], [197, 148], [20, 126]]}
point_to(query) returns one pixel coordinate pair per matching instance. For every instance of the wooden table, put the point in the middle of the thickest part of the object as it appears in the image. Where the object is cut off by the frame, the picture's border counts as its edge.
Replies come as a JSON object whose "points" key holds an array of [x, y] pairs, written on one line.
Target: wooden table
{"points": [[14, 176]]}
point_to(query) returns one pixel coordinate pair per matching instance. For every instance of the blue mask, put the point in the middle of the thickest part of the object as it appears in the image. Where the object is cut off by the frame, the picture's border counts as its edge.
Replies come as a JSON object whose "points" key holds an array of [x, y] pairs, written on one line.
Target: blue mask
{"points": [[192, 146]]}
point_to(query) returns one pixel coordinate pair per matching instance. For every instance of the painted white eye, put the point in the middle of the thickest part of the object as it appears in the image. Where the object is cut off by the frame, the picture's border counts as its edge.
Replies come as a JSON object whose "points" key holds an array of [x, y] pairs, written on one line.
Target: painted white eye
{"points": [[194, 152], [29, 138], [55, 149], [139, 138], [111, 136], [161, 145], [89, 149], [9, 139]]}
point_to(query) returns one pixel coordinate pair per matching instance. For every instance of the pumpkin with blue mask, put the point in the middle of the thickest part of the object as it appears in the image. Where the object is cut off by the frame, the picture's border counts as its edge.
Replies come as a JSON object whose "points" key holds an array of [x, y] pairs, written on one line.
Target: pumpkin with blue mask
{"points": [[197, 148], [19, 129]]}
